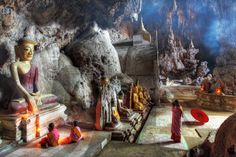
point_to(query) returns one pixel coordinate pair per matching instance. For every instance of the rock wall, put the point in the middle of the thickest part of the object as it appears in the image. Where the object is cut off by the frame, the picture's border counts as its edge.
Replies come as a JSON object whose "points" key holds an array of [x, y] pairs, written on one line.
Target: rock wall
{"points": [[209, 24], [177, 62], [95, 54], [226, 70], [225, 139]]}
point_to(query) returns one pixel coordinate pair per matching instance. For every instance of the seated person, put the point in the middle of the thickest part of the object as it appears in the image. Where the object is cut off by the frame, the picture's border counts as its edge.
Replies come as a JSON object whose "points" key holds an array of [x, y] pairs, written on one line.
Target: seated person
{"points": [[52, 137], [27, 96], [75, 133]]}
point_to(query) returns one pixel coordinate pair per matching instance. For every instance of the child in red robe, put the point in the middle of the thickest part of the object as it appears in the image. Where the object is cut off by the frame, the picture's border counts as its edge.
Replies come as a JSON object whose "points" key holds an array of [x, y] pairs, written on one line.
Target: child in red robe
{"points": [[75, 133], [52, 137], [176, 121]]}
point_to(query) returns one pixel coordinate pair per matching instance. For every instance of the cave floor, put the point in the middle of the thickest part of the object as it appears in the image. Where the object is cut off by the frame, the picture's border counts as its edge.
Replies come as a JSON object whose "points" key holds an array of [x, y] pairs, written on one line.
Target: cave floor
{"points": [[93, 143], [153, 141]]}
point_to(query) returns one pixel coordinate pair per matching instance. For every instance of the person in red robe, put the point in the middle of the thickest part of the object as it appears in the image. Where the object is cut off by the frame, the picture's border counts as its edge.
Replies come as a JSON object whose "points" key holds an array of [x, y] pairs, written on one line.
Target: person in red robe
{"points": [[52, 137], [176, 121], [75, 133]]}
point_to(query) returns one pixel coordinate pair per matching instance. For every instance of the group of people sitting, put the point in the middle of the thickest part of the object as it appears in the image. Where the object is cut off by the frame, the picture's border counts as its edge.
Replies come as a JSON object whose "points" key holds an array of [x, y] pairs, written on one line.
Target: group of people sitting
{"points": [[52, 138]]}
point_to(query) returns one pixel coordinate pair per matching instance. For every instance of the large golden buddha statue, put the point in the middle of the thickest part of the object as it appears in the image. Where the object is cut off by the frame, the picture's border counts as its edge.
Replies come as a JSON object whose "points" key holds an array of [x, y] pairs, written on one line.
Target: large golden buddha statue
{"points": [[27, 96]]}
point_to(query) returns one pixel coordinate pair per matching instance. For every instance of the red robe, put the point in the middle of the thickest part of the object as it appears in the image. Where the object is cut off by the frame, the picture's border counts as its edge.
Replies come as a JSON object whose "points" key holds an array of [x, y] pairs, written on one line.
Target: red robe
{"points": [[75, 134], [51, 139], [176, 123]]}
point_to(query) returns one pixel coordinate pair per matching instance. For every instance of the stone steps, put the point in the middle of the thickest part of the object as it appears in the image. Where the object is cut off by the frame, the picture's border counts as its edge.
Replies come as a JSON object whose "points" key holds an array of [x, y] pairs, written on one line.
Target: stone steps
{"points": [[128, 132]]}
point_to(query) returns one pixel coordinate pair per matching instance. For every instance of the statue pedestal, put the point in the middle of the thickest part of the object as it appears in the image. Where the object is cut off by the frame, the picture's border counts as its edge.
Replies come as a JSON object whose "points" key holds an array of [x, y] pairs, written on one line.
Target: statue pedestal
{"points": [[130, 118], [142, 112], [128, 131], [23, 126]]}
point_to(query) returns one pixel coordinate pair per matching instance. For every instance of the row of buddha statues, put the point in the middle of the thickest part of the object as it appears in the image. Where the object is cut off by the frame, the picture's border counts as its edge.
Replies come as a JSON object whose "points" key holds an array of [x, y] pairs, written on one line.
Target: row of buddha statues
{"points": [[115, 105]]}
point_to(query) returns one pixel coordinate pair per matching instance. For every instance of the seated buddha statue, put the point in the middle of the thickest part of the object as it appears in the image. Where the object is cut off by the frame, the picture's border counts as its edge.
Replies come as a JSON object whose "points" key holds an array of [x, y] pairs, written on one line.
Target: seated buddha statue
{"points": [[27, 97], [146, 95], [123, 110], [141, 96], [137, 104]]}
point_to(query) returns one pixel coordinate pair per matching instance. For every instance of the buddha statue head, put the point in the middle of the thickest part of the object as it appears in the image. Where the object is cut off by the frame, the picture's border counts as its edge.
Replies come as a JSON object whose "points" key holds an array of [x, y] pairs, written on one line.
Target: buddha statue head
{"points": [[136, 89], [120, 95], [104, 81], [140, 88], [25, 49]]}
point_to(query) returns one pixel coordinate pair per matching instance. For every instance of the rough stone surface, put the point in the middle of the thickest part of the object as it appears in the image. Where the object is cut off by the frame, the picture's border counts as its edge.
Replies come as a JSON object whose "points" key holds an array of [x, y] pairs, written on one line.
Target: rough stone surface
{"points": [[179, 63], [77, 85], [95, 54], [48, 65], [225, 138], [226, 70]]}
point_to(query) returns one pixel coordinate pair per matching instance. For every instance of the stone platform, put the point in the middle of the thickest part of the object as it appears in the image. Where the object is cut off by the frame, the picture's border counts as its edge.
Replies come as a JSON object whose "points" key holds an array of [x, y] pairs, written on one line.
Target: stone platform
{"points": [[23, 126], [129, 131], [216, 102], [180, 92], [93, 143]]}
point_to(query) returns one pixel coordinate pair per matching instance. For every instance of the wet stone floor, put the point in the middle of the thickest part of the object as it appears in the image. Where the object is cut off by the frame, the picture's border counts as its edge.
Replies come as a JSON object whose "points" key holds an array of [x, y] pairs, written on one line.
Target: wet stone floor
{"points": [[153, 141]]}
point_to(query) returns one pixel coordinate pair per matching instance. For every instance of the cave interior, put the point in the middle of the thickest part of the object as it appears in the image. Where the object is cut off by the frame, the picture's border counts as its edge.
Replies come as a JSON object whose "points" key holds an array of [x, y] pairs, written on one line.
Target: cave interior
{"points": [[134, 77]]}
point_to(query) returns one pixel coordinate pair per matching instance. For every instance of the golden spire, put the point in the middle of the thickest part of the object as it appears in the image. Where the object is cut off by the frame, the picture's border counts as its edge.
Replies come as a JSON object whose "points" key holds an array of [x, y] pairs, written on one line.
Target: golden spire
{"points": [[144, 32]]}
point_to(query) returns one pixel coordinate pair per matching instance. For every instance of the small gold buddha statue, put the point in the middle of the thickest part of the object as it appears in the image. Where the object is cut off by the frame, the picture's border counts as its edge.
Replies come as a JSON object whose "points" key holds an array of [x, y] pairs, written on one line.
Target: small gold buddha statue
{"points": [[137, 105], [141, 96], [146, 95], [123, 110]]}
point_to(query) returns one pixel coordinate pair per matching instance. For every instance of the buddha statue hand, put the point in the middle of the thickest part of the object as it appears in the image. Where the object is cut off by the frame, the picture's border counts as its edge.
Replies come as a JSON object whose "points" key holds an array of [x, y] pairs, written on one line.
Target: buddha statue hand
{"points": [[32, 106]]}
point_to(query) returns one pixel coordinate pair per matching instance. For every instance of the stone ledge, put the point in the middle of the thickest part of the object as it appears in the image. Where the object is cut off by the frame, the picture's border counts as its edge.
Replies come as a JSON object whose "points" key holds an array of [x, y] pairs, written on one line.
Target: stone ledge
{"points": [[15, 127], [216, 102]]}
